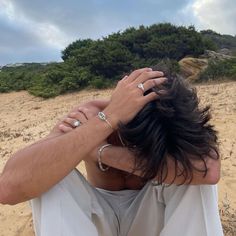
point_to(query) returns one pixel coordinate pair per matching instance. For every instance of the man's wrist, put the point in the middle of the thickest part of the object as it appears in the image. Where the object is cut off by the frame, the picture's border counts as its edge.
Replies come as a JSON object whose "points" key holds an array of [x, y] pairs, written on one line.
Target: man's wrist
{"points": [[111, 118], [119, 158], [102, 116]]}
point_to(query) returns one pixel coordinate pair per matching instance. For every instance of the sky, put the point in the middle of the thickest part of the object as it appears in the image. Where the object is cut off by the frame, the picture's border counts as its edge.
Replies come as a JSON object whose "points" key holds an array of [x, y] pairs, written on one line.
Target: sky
{"points": [[37, 31]]}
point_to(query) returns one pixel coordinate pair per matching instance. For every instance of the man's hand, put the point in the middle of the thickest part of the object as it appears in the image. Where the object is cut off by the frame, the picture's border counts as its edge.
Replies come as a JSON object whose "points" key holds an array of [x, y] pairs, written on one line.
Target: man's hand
{"points": [[129, 95], [81, 113]]}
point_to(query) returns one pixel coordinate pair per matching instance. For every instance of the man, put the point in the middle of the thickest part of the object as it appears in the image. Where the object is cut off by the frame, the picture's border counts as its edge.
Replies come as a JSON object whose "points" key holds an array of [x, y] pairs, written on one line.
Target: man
{"points": [[122, 200]]}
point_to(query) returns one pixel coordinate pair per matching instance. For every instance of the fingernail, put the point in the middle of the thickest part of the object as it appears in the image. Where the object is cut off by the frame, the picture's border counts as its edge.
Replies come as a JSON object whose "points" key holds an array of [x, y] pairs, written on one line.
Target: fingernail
{"points": [[161, 79], [149, 69], [160, 72], [162, 92]]}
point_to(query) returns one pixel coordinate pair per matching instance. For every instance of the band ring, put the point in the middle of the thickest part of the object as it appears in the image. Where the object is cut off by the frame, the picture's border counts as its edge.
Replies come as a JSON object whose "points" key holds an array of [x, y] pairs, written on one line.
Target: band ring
{"points": [[140, 86], [77, 123]]}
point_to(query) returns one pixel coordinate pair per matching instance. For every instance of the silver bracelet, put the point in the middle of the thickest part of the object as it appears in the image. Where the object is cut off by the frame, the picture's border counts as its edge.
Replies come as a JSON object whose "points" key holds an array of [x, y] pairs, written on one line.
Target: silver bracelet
{"points": [[100, 157], [102, 116]]}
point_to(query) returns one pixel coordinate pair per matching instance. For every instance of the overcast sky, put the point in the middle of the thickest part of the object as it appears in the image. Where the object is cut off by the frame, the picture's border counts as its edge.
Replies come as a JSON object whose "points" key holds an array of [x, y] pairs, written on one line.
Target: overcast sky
{"points": [[37, 31]]}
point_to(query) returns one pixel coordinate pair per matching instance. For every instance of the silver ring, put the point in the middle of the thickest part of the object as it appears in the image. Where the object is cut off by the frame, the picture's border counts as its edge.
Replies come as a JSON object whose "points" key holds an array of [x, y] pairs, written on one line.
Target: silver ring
{"points": [[140, 86], [77, 123]]}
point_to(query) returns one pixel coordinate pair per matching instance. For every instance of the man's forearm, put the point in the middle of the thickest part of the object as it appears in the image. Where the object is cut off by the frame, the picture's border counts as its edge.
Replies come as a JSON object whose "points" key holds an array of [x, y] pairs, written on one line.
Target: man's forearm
{"points": [[121, 158], [34, 169]]}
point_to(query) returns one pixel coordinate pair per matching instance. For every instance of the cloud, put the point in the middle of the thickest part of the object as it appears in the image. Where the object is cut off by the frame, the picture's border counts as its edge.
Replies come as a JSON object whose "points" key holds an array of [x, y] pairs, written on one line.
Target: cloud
{"points": [[42, 54], [218, 15], [19, 44], [23, 40], [37, 26], [93, 18], [36, 30]]}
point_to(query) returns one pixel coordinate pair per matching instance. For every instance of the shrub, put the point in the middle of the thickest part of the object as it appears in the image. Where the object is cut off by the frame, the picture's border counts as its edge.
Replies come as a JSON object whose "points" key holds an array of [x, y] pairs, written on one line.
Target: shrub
{"points": [[100, 63], [220, 69], [100, 83]]}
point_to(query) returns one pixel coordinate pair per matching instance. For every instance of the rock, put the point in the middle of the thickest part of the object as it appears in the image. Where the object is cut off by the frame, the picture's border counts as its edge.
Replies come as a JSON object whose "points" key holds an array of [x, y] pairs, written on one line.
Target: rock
{"points": [[216, 55], [191, 67], [225, 51]]}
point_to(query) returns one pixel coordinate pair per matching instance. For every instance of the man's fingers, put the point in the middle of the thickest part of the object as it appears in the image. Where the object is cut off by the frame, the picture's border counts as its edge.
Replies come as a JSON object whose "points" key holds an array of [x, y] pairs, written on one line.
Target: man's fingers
{"points": [[65, 128], [78, 116], [70, 121], [67, 123], [148, 75], [153, 83], [87, 113], [133, 76], [149, 97]]}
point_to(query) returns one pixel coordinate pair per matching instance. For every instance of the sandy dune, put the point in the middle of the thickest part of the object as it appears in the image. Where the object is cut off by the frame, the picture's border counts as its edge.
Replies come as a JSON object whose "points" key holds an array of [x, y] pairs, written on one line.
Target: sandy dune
{"points": [[25, 119]]}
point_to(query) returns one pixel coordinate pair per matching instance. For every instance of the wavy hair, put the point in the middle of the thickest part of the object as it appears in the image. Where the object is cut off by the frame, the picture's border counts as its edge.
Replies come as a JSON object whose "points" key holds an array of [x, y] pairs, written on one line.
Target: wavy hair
{"points": [[172, 126]]}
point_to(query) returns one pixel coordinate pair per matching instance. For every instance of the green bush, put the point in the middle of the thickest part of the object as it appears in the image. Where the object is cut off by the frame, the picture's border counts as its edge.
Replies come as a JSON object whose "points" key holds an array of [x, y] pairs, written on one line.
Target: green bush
{"points": [[100, 83], [221, 69], [4, 88], [45, 92], [101, 63], [68, 83]]}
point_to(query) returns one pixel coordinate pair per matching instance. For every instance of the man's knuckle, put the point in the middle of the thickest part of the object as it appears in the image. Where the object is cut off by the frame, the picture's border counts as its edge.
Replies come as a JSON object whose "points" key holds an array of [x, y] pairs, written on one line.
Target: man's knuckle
{"points": [[135, 73], [145, 74]]}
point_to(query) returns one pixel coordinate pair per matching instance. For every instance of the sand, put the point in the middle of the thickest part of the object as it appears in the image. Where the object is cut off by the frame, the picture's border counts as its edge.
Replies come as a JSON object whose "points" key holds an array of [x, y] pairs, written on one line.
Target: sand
{"points": [[25, 119]]}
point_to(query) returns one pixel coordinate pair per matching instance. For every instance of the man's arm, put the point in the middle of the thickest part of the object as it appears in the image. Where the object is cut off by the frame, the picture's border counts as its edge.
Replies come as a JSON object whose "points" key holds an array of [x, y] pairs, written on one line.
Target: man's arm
{"points": [[121, 158], [36, 168]]}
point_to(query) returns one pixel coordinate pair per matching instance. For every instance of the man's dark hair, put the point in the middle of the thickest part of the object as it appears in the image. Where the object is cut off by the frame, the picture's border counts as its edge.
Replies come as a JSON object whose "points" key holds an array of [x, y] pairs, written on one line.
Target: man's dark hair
{"points": [[172, 126]]}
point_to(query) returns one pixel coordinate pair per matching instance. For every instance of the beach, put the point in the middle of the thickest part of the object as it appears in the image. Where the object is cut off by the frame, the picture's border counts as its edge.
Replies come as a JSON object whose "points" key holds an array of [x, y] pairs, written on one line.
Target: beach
{"points": [[25, 119]]}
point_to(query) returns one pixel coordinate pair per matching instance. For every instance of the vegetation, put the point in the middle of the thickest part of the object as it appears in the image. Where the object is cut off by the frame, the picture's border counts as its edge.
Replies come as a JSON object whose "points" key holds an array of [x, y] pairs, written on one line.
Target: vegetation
{"points": [[219, 70], [220, 41], [100, 63]]}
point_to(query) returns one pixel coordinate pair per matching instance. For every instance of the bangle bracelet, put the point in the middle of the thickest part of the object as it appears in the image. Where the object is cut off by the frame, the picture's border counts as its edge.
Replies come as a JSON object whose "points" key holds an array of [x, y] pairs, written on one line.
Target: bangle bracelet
{"points": [[101, 115], [100, 157]]}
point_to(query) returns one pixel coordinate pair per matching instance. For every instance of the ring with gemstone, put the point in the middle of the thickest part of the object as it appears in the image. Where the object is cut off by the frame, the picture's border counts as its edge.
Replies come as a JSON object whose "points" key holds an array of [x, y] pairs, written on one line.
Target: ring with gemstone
{"points": [[140, 86], [77, 123]]}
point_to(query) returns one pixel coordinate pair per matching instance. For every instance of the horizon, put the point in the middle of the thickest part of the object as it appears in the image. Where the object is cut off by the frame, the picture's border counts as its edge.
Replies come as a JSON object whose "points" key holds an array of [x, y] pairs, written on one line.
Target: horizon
{"points": [[37, 32]]}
